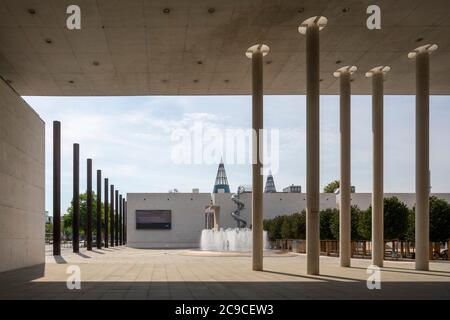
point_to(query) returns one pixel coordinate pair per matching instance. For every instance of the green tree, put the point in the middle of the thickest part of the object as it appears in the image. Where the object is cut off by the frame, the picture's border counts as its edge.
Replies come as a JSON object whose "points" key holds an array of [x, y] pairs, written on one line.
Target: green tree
{"points": [[298, 225], [396, 220], [286, 230], [326, 217], [67, 218], [439, 219], [355, 216], [364, 225], [273, 227], [331, 187], [396, 216]]}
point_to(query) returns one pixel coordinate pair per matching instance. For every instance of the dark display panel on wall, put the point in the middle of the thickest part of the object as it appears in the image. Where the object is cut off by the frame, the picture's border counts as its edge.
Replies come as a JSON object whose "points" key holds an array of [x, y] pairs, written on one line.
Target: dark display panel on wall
{"points": [[153, 219]]}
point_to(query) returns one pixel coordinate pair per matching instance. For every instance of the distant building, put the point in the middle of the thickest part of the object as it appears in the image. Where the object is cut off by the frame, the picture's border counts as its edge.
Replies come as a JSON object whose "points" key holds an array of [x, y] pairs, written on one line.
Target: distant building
{"points": [[270, 184], [293, 189], [48, 218], [221, 184]]}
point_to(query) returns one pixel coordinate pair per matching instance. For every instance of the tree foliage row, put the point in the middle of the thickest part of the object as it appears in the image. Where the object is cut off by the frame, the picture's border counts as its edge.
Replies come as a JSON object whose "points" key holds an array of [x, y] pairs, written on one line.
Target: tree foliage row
{"points": [[399, 222]]}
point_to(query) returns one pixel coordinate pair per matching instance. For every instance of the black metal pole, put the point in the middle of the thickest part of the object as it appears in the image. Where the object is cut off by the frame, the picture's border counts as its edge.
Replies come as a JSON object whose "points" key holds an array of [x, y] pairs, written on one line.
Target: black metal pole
{"points": [[111, 216], [76, 199], [89, 205], [120, 221], [106, 202], [56, 188], [116, 218], [99, 209], [123, 221]]}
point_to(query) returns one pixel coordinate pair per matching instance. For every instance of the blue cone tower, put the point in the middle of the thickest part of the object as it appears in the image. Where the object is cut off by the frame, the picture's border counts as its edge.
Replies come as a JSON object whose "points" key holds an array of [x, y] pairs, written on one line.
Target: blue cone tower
{"points": [[270, 184], [221, 185]]}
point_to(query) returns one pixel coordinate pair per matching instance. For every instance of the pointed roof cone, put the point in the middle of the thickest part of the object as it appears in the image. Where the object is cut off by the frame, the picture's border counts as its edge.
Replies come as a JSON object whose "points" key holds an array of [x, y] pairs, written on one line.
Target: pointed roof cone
{"points": [[270, 184], [221, 184]]}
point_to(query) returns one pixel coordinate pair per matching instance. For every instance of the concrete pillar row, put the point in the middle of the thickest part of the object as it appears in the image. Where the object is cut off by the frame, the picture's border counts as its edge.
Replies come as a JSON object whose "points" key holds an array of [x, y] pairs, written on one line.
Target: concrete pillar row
{"points": [[311, 27], [89, 205], [377, 75], [106, 204], [344, 74], [256, 53], [76, 199], [56, 188], [422, 57]]}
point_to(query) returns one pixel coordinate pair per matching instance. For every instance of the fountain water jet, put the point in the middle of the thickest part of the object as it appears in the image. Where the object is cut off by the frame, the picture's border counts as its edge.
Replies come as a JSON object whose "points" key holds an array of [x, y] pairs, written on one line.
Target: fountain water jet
{"points": [[231, 239]]}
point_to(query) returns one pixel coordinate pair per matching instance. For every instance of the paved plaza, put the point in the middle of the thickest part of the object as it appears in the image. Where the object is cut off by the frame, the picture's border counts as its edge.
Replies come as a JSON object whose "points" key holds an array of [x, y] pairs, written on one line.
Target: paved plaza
{"points": [[125, 273]]}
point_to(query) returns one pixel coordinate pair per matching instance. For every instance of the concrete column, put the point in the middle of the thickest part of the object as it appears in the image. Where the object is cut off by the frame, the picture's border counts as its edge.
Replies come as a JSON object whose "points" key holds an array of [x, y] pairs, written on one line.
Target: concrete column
{"points": [[111, 216], [344, 74], [116, 218], [311, 28], [120, 220], [56, 188], [377, 75], [126, 221], [99, 210], [256, 53], [106, 204], [123, 220], [89, 205], [76, 199], [422, 55]]}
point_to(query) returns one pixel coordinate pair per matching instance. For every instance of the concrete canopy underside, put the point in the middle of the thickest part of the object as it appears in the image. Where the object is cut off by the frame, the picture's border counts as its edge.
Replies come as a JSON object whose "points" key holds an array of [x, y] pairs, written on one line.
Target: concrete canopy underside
{"points": [[134, 47]]}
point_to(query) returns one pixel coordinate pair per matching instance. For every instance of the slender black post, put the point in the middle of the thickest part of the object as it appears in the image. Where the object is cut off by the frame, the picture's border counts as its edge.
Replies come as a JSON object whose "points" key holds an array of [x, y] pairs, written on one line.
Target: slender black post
{"points": [[106, 201], [120, 221], [76, 199], [99, 209], [124, 231], [89, 205], [116, 219], [56, 188], [111, 216]]}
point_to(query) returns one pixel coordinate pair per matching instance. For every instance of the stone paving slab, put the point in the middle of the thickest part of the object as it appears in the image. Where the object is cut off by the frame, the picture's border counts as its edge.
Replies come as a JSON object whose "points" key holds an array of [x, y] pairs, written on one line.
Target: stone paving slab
{"points": [[125, 273]]}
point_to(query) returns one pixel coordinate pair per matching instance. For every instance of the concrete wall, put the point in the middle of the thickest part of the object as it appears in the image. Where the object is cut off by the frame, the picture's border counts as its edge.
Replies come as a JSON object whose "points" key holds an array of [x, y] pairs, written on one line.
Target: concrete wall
{"points": [[188, 219], [364, 200], [22, 182], [275, 204]]}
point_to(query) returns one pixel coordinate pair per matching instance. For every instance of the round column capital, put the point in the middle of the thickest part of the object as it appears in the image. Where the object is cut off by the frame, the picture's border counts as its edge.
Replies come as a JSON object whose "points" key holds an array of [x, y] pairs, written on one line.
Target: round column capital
{"points": [[347, 69], [430, 48], [380, 69], [321, 21], [263, 48]]}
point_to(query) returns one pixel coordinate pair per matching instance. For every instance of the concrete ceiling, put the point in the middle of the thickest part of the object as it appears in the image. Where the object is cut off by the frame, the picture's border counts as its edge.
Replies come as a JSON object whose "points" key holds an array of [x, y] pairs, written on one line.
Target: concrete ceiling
{"points": [[132, 47]]}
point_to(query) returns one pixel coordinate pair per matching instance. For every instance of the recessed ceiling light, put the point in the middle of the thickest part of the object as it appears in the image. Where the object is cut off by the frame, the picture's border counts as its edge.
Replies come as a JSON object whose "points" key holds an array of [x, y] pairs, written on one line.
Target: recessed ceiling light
{"points": [[166, 10], [226, 80], [31, 11], [195, 80], [338, 61], [211, 10], [351, 80], [346, 9], [199, 62], [269, 62], [164, 80], [419, 39], [48, 40], [301, 10], [96, 63], [320, 80], [71, 81]]}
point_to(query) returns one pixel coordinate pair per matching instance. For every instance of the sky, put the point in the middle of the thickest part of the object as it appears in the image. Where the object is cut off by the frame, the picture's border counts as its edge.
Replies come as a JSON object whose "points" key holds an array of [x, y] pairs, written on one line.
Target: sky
{"points": [[131, 139]]}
